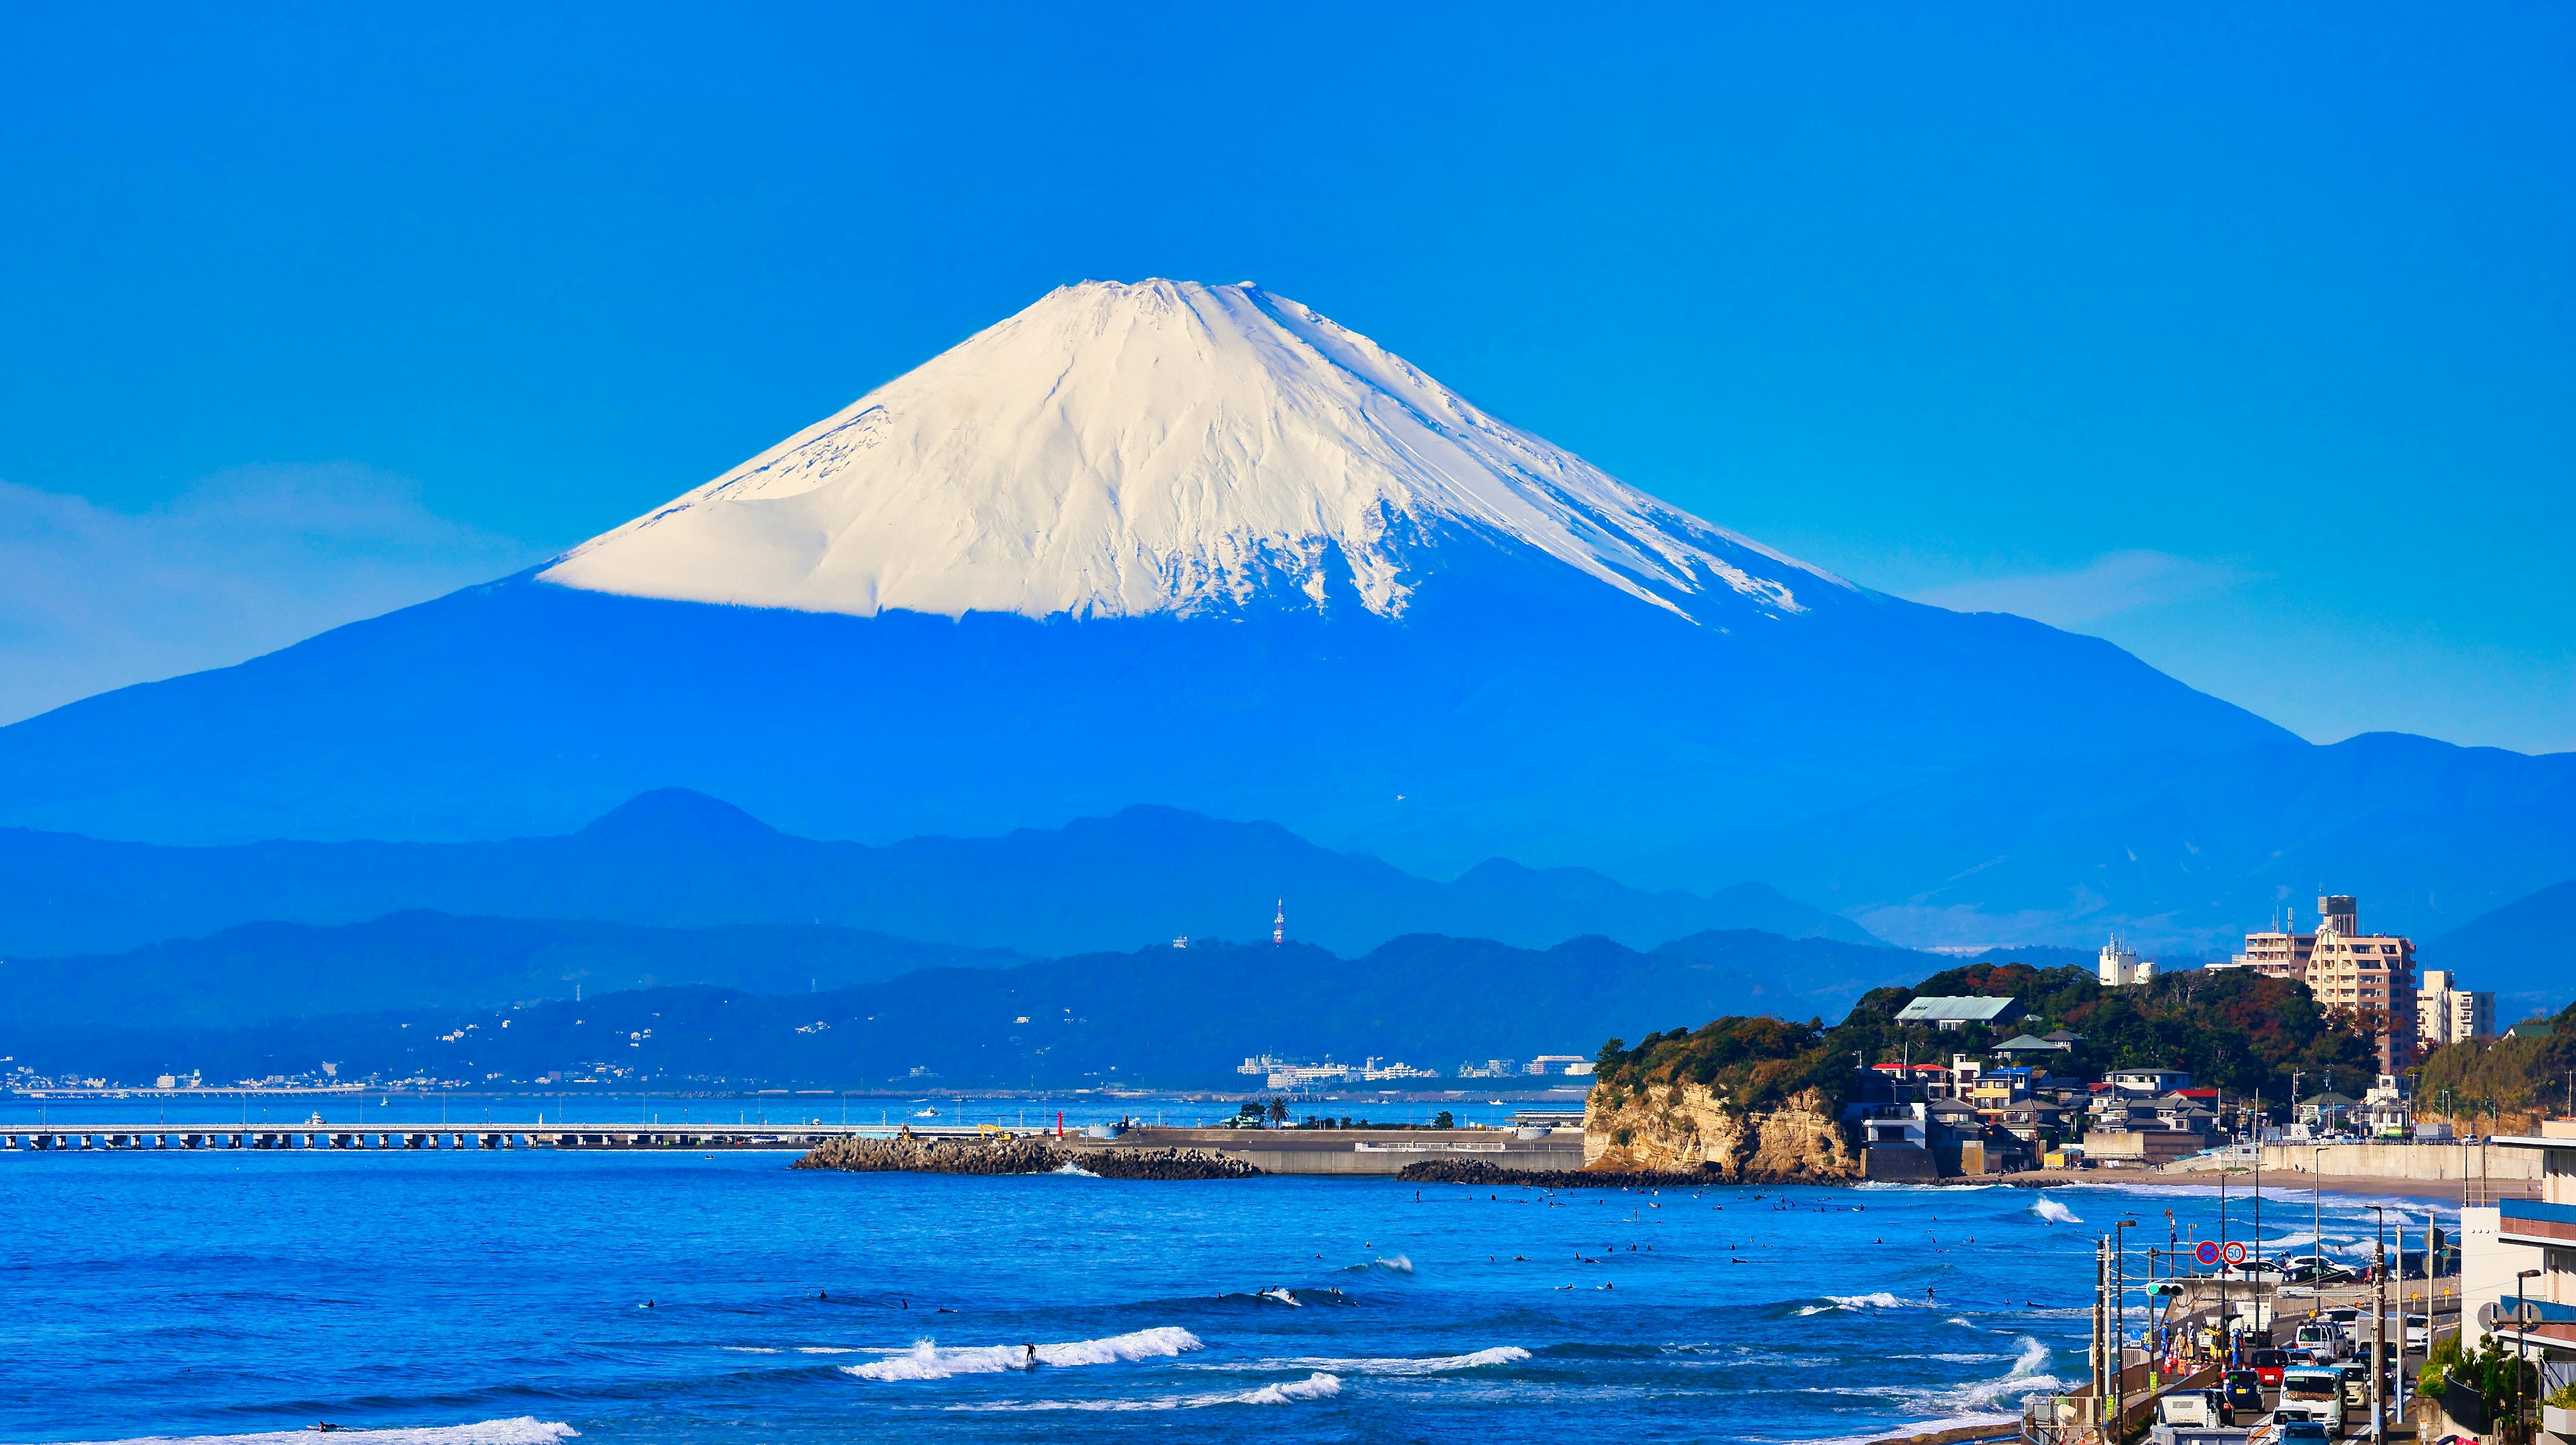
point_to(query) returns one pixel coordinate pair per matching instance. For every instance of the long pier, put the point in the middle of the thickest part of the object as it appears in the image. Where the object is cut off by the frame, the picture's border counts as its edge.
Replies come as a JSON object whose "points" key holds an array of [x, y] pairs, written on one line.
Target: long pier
{"points": [[1275, 1151], [443, 1136]]}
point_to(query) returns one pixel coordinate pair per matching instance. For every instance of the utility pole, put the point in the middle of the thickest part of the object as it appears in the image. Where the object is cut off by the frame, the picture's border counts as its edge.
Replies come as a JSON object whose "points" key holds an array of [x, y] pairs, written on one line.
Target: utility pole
{"points": [[2119, 1328], [2379, 1330], [2101, 1276]]}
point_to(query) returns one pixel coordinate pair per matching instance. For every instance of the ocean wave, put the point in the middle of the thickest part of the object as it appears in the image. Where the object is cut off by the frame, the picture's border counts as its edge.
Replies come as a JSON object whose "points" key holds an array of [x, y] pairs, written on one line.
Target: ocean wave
{"points": [[2027, 1377], [927, 1361], [1408, 1365], [1911, 1427], [1317, 1386], [1393, 1264], [2052, 1212], [524, 1430], [1876, 1300]]}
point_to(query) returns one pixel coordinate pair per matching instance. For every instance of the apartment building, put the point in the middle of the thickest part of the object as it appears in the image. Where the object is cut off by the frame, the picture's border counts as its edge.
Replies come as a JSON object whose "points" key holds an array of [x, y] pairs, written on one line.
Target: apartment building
{"points": [[2371, 975], [2446, 1013]]}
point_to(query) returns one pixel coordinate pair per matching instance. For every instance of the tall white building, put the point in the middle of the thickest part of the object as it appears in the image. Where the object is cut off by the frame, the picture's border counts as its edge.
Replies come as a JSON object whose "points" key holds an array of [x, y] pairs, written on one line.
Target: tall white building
{"points": [[2446, 1013], [2122, 968]]}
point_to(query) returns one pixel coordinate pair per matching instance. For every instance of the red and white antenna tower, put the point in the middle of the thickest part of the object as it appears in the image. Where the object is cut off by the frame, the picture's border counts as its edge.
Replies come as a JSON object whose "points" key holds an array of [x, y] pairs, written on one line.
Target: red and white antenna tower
{"points": [[1279, 925]]}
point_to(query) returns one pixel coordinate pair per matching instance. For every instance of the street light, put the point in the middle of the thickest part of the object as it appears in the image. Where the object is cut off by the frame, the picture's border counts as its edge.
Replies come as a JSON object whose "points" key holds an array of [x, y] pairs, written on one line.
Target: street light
{"points": [[2120, 1323], [2519, 1326]]}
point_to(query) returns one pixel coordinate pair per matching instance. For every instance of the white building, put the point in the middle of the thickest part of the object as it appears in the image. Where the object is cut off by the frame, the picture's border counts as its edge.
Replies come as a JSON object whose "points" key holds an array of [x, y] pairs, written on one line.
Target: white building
{"points": [[1560, 1064], [2446, 1013], [2498, 1243], [2122, 968]]}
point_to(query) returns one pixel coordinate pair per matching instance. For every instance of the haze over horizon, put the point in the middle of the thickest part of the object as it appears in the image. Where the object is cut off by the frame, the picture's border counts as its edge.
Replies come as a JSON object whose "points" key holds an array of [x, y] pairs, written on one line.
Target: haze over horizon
{"points": [[2230, 340]]}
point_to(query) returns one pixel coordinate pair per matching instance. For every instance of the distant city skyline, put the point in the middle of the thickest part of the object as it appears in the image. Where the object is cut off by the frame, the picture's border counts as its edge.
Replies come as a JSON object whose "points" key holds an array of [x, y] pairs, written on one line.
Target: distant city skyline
{"points": [[2241, 341]]}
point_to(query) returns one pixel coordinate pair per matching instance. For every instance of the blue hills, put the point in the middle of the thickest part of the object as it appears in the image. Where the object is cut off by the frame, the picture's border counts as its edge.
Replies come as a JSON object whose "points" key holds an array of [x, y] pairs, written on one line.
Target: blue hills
{"points": [[424, 995], [677, 859]]}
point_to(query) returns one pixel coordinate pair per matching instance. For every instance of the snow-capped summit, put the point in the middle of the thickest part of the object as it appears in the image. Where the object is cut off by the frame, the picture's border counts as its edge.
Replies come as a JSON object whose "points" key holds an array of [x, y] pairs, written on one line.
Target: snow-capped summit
{"points": [[1164, 446]]}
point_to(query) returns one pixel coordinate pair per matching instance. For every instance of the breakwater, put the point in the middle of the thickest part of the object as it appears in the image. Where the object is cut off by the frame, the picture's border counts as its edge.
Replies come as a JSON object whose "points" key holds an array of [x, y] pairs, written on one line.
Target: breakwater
{"points": [[1021, 1154], [1472, 1171]]}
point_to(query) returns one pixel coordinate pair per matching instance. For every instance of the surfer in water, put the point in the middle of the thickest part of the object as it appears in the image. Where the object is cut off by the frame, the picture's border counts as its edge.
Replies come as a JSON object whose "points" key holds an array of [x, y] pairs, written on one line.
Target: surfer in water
{"points": [[1029, 1361]]}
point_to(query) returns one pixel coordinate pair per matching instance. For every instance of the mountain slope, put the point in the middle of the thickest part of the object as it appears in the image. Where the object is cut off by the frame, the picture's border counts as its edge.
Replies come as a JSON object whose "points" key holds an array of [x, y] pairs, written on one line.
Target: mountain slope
{"points": [[678, 858], [2525, 952]]}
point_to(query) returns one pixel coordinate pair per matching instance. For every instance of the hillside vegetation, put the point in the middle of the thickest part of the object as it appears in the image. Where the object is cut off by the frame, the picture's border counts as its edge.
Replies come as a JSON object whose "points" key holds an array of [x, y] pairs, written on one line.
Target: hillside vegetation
{"points": [[2232, 1030], [2503, 1079]]}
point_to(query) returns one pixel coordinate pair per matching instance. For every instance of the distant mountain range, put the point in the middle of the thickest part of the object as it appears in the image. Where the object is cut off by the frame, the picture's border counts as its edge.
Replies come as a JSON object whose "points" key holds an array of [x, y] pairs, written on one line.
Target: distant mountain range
{"points": [[680, 859], [2525, 952], [1161, 1016], [264, 972]]}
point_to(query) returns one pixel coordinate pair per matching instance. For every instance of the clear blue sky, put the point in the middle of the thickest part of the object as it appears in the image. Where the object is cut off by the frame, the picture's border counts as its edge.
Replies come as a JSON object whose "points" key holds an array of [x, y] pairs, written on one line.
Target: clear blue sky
{"points": [[2240, 335]]}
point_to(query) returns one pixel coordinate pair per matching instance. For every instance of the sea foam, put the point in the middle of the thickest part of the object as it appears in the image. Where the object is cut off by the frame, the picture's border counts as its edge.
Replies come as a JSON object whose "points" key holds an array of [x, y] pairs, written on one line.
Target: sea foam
{"points": [[927, 1361], [1317, 1386], [523, 1430], [1411, 1365]]}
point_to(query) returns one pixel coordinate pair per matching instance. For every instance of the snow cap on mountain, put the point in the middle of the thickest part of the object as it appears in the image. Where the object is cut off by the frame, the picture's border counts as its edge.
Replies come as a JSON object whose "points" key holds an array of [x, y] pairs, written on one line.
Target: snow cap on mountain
{"points": [[1164, 446]]}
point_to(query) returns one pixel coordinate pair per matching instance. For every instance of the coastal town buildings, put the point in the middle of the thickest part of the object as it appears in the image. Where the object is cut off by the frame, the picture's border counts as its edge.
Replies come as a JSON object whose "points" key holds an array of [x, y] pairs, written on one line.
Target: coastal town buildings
{"points": [[2368, 975]]}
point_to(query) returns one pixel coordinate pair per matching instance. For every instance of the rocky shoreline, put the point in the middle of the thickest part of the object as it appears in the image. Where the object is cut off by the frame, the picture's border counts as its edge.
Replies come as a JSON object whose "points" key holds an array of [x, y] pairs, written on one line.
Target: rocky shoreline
{"points": [[1018, 1155]]}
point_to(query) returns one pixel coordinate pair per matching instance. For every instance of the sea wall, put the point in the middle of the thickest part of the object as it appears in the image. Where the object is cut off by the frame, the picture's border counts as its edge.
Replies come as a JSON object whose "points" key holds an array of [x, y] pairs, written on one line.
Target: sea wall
{"points": [[2403, 1161], [1686, 1128]]}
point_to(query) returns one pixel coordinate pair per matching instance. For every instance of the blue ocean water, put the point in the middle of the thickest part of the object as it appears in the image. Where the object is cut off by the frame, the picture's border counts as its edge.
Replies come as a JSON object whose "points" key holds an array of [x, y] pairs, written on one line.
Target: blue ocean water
{"points": [[507, 1296]]}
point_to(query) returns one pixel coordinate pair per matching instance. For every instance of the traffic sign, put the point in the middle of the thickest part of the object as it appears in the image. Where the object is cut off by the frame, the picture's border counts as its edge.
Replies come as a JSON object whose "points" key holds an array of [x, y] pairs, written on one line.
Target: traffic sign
{"points": [[2207, 1252], [2235, 1253]]}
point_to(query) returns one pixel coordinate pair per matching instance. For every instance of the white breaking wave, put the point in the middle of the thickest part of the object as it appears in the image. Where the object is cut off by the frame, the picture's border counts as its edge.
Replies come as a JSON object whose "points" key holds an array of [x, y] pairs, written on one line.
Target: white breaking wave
{"points": [[1406, 1365], [1879, 1300], [524, 1430], [1117, 450], [1317, 1386], [2053, 1212], [2025, 1378], [927, 1361]]}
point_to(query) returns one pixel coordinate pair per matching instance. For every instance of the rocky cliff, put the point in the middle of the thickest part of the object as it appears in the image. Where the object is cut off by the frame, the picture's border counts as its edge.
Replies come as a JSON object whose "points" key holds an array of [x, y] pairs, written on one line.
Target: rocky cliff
{"points": [[1688, 1128]]}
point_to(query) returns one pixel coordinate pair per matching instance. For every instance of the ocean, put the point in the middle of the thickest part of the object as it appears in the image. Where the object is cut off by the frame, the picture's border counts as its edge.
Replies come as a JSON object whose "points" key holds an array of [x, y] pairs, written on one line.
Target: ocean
{"points": [[529, 1296]]}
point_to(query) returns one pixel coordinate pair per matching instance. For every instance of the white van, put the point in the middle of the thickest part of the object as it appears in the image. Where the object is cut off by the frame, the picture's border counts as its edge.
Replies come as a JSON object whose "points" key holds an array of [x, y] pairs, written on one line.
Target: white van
{"points": [[2192, 1407], [2323, 1338]]}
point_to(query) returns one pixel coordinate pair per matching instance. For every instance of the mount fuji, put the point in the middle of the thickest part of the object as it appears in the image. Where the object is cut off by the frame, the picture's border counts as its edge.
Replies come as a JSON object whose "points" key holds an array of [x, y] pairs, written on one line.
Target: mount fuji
{"points": [[1200, 546]]}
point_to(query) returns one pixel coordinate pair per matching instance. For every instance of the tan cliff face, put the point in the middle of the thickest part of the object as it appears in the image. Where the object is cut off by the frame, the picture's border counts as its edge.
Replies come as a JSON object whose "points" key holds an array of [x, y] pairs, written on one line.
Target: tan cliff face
{"points": [[1683, 1127]]}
